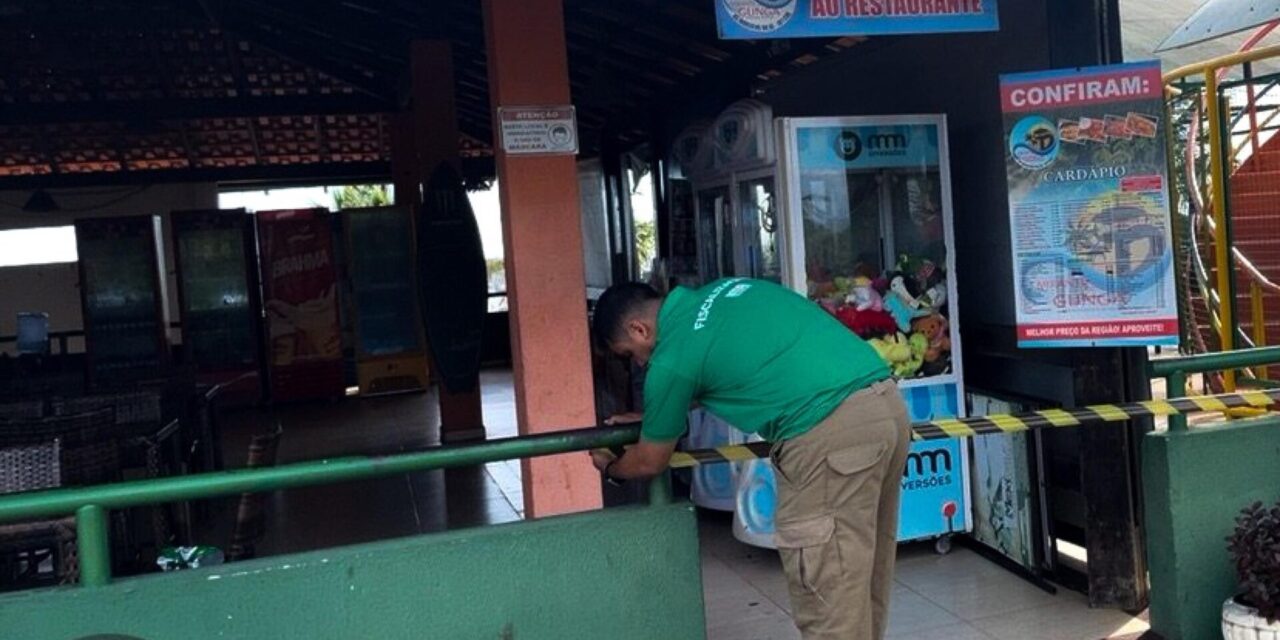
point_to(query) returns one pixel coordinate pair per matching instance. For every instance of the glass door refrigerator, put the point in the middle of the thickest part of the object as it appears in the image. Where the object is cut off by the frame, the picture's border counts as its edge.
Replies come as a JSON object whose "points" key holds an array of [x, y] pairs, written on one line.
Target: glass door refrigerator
{"points": [[123, 300], [300, 296], [867, 233], [215, 252], [390, 349]]}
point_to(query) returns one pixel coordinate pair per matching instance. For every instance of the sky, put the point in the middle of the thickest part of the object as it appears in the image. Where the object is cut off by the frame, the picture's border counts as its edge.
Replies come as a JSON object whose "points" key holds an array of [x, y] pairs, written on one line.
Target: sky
{"points": [[48, 245], [484, 203]]}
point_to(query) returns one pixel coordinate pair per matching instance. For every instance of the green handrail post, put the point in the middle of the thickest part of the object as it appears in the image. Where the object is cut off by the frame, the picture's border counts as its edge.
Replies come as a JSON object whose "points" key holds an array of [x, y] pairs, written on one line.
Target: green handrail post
{"points": [[1175, 387], [123, 495], [660, 489], [93, 545], [1175, 370]]}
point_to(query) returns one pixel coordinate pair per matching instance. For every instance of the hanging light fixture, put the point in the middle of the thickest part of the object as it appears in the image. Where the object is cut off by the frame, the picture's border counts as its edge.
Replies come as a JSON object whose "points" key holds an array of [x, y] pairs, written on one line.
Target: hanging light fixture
{"points": [[40, 202]]}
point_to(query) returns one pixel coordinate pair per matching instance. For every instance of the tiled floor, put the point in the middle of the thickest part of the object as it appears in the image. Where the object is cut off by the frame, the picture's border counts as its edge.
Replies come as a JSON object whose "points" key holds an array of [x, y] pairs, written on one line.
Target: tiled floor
{"points": [[960, 596]]}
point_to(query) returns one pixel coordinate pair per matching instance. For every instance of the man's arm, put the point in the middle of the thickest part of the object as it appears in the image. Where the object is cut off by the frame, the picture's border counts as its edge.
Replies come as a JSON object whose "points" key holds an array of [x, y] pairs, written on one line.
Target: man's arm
{"points": [[643, 460], [667, 396]]}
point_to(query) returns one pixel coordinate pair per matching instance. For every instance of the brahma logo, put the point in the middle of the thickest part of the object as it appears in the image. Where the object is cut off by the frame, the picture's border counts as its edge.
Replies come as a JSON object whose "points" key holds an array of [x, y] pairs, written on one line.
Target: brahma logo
{"points": [[762, 16]]}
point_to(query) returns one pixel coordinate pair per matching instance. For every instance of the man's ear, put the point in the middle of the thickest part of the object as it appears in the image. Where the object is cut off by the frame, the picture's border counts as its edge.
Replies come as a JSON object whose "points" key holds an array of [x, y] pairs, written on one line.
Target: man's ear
{"points": [[637, 327]]}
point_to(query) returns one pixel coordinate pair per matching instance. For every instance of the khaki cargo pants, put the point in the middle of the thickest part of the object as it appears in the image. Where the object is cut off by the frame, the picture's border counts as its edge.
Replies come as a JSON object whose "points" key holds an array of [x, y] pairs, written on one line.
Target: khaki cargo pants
{"points": [[837, 515]]}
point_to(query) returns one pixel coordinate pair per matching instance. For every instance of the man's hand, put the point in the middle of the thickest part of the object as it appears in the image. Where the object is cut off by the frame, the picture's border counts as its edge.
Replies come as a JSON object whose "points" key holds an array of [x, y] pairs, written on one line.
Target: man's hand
{"points": [[624, 418], [601, 458], [642, 460]]}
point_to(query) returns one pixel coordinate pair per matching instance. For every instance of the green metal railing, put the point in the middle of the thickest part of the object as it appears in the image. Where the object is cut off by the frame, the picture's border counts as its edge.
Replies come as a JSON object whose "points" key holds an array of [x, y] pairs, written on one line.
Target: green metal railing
{"points": [[91, 504], [1175, 371]]}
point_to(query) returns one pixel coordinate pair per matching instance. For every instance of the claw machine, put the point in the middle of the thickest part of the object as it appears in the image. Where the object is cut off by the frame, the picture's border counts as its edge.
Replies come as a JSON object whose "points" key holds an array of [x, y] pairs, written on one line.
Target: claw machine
{"points": [[729, 166], [216, 258], [867, 234]]}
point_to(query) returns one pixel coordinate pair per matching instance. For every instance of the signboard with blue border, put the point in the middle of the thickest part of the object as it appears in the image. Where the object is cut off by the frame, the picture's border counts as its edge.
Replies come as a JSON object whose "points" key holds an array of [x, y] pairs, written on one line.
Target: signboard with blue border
{"points": [[763, 19], [1089, 207]]}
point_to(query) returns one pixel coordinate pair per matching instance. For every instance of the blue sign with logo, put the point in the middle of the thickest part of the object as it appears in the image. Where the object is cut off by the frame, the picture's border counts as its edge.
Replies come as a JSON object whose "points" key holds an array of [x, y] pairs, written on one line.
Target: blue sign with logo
{"points": [[935, 498], [871, 147], [762, 19]]}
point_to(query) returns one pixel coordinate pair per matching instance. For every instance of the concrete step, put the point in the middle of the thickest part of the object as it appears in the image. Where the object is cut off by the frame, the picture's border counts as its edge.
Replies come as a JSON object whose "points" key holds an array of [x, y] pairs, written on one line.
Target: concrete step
{"points": [[1265, 160], [1255, 181]]}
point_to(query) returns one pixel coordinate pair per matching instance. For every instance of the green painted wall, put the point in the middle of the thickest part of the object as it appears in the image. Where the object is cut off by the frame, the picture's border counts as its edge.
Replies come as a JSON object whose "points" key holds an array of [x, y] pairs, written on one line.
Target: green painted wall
{"points": [[625, 573], [1194, 484]]}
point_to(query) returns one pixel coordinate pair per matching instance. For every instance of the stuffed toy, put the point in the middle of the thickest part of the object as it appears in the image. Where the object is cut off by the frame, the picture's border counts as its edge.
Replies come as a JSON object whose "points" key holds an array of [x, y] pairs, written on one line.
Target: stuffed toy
{"points": [[866, 324], [821, 290], [843, 287], [934, 298], [901, 303], [864, 296], [924, 282], [934, 329], [903, 355]]}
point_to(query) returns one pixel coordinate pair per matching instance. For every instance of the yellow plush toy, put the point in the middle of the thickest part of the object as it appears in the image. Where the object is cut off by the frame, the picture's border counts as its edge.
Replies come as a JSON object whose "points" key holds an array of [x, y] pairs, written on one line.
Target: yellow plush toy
{"points": [[904, 355]]}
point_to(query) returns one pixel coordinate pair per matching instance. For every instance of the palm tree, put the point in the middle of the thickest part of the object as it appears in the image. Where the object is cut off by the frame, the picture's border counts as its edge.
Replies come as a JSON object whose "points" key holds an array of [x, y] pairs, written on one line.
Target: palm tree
{"points": [[361, 195]]}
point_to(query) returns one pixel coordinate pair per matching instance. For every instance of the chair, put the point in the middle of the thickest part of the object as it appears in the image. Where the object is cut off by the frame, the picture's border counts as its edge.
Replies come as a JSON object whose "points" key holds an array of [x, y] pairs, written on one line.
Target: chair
{"points": [[24, 547], [89, 445], [87, 453], [251, 519]]}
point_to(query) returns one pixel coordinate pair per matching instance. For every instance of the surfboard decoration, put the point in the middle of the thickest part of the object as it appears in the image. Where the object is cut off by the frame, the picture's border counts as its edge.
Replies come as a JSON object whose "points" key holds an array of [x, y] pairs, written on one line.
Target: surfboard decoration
{"points": [[452, 279]]}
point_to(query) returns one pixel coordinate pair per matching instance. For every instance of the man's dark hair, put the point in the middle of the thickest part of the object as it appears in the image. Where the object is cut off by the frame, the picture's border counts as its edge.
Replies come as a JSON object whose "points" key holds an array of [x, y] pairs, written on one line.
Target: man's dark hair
{"points": [[615, 306]]}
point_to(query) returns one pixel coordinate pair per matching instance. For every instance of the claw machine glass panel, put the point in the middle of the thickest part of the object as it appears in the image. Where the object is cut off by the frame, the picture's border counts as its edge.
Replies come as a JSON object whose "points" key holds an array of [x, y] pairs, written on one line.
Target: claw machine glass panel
{"points": [[758, 217], [715, 233], [219, 301], [123, 299], [867, 233]]}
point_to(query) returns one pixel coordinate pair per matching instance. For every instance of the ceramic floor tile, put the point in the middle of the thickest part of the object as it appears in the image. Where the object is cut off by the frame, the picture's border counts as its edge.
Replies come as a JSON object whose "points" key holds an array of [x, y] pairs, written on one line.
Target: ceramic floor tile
{"points": [[970, 591], [909, 612], [715, 572], [959, 631], [767, 579], [479, 514], [775, 626], [1067, 618], [916, 566]]}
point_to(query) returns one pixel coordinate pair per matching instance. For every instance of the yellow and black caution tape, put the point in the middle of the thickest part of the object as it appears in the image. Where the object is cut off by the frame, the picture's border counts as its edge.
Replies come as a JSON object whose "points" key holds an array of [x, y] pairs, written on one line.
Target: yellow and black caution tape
{"points": [[1046, 419]]}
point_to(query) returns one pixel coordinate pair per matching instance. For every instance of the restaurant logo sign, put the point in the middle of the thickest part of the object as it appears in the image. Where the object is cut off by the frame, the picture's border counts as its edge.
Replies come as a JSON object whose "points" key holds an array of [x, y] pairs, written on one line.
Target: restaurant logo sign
{"points": [[763, 19], [762, 16]]}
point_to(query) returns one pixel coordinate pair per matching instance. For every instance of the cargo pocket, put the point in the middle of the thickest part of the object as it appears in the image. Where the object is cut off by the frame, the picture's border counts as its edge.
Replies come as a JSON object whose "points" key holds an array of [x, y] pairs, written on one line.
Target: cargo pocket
{"points": [[806, 550], [855, 477]]}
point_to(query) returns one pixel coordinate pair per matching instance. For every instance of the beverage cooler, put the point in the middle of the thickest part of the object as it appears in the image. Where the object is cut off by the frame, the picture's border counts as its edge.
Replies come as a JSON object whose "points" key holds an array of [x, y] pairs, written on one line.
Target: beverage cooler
{"points": [[123, 300], [389, 346], [216, 258], [857, 216], [300, 296]]}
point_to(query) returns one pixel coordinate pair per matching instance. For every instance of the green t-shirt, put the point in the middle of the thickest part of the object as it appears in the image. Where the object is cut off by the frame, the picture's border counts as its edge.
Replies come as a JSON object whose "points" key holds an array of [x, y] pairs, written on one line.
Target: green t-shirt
{"points": [[759, 356]]}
